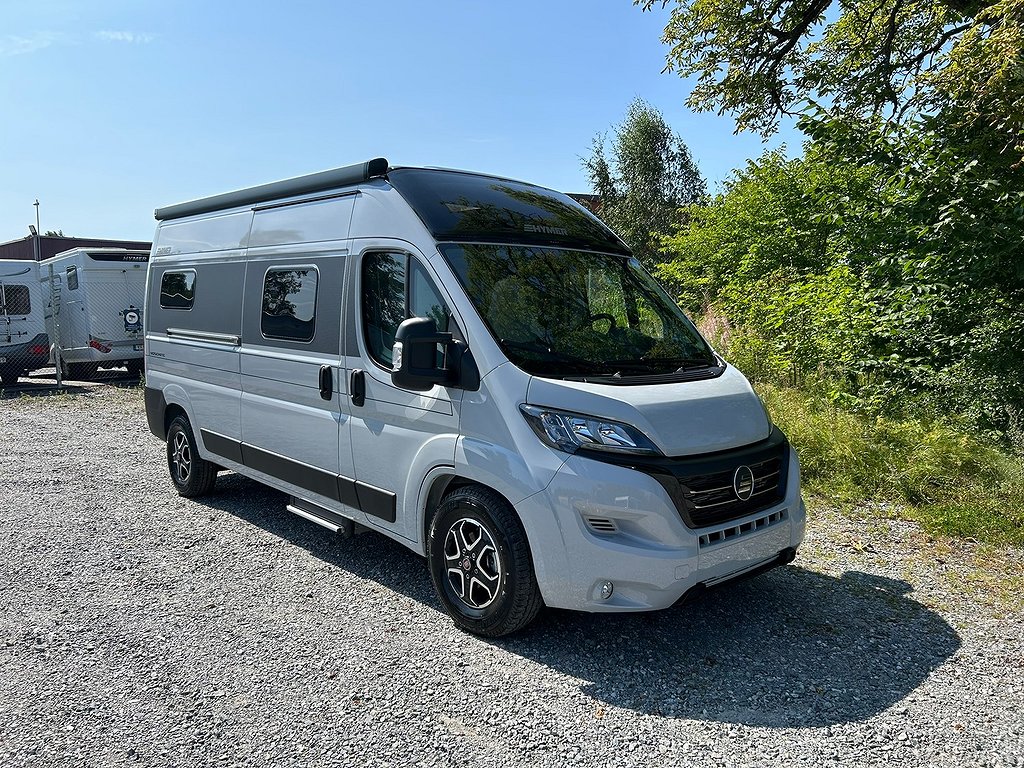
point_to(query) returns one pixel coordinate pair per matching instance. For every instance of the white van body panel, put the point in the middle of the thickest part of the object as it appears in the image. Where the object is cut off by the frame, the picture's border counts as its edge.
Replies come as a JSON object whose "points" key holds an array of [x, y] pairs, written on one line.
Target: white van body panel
{"points": [[98, 287], [682, 419], [24, 342], [370, 451]]}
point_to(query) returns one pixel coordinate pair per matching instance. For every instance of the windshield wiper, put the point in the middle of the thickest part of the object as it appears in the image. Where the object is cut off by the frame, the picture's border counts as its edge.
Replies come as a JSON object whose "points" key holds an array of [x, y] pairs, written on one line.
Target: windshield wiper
{"points": [[547, 354], [661, 365]]}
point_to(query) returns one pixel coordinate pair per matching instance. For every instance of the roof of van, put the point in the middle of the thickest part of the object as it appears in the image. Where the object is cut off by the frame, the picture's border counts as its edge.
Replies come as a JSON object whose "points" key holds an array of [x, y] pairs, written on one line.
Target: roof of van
{"points": [[454, 205]]}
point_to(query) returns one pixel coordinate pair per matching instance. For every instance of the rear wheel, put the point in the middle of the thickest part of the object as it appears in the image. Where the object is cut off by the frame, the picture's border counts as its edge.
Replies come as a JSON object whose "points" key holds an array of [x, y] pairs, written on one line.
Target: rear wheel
{"points": [[191, 474], [480, 563], [134, 367], [81, 371], [9, 378]]}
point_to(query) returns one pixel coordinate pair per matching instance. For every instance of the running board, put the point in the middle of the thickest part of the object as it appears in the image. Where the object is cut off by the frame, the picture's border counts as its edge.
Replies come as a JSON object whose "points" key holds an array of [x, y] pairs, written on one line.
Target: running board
{"points": [[332, 521]]}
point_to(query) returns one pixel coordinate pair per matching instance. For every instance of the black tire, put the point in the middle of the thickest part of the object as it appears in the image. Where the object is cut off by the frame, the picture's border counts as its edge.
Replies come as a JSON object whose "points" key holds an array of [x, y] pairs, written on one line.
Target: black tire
{"points": [[191, 474], [134, 368], [81, 371], [485, 583], [9, 378]]}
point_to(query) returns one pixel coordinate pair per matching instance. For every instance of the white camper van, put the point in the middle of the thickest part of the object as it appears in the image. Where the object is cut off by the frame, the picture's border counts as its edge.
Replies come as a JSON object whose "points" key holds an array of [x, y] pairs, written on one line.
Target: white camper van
{"points": [[24, 346], [474, 366], [101, 292]]}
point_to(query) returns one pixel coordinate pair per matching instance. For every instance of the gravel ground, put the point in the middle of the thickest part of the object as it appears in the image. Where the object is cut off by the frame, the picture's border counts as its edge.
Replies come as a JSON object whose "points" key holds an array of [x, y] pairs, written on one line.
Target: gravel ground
{"points": [[139, 628]]}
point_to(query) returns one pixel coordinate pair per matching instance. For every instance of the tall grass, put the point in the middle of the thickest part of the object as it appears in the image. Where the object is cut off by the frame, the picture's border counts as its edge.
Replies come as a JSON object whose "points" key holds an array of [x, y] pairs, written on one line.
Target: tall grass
{"points": [[952, 481]]}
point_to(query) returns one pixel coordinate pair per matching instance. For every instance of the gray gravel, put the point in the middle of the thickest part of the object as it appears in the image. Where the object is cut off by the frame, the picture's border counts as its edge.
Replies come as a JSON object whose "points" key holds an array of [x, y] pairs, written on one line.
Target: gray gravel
{"points": [[139, 628]]}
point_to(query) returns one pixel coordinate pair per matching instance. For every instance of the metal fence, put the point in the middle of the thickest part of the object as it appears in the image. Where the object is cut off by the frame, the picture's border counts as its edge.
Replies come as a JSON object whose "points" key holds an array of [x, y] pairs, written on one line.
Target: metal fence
{"points": [[73, 320]]}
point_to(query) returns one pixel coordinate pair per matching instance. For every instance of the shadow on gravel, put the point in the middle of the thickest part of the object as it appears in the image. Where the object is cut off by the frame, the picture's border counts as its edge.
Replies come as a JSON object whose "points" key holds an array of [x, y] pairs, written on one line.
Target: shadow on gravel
{"points": [[43, 384], [790, 648]]}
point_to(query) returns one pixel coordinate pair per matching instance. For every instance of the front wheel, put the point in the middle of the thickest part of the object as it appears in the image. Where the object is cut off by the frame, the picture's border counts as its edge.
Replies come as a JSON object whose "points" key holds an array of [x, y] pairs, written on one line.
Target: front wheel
{"points": [[191, 474], [480, 563]]}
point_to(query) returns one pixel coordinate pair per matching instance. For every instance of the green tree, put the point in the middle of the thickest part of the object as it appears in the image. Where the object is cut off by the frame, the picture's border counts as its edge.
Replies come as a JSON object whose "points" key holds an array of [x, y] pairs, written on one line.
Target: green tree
{"points": [[892, 58], [643, 180]]}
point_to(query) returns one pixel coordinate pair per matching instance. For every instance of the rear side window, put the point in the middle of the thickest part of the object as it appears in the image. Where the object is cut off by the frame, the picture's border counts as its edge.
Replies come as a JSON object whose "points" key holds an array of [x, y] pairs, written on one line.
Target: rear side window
{"points": [[15, 299], [72, 278], [178, 289], [289, 304]]}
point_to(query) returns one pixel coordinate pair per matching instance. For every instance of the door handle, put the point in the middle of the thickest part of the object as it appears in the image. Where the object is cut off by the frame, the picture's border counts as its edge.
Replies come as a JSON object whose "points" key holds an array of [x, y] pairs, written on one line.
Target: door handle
{"points": [[326, 382], [358, 388]]}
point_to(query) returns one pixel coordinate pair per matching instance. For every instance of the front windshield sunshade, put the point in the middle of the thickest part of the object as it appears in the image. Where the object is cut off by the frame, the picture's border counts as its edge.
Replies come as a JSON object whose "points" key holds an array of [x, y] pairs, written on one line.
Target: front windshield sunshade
{"points": [[579, 314]]}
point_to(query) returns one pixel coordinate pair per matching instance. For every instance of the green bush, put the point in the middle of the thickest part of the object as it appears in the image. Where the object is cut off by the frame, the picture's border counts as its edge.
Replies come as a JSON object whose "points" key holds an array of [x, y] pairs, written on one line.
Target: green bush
{"points": [[953, 482]]}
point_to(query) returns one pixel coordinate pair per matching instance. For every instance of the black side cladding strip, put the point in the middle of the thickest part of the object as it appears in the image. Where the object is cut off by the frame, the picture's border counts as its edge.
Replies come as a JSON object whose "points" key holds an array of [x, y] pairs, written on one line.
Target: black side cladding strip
{"points": [[294, 472], [376, 502], [366, 498], [222, 446]]}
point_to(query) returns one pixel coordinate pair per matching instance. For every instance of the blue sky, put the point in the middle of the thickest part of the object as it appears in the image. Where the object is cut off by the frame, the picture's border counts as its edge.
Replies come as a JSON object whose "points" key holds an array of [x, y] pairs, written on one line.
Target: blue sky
{"points": [[115, 107]]}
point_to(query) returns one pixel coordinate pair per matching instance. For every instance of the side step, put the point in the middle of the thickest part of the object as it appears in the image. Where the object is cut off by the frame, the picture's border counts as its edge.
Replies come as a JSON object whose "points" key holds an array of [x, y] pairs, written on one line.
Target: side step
{"points": [[332, 521]]}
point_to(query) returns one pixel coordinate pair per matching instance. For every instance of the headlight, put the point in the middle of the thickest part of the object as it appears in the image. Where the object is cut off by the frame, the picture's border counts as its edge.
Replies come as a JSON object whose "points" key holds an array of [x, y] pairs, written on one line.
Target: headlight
{"points": [[571, 431]]}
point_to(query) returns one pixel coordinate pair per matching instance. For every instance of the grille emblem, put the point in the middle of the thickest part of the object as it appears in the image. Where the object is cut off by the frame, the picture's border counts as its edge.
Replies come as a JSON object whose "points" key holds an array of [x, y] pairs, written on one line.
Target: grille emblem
{"points": [[743, 482]]}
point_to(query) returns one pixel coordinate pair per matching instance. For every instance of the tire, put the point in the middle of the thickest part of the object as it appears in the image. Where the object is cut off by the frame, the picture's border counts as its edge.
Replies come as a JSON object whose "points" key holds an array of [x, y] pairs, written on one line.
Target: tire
{"points": [[9, 378], [191, 474], [480, 563], [81, 371], [134, 367]]}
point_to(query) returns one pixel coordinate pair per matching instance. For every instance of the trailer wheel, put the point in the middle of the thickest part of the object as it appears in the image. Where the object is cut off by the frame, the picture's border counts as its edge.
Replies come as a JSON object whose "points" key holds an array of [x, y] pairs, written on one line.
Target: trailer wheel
{"points": [[191, 474], [80, 371], [480, 563]]}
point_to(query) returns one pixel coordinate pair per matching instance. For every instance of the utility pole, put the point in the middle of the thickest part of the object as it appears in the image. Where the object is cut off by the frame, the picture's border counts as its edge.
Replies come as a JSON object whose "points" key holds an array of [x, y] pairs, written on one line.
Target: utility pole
{"points": [[36, 204]]}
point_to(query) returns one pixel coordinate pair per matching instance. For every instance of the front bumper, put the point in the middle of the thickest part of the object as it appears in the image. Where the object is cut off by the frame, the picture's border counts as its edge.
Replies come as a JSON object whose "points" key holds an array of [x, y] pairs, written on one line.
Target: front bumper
{"points": [[598, 522]]}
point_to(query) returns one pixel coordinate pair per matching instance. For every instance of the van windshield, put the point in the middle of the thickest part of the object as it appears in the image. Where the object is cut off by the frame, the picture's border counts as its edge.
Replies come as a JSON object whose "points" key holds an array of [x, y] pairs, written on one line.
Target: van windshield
{"points": [[579, 314]]}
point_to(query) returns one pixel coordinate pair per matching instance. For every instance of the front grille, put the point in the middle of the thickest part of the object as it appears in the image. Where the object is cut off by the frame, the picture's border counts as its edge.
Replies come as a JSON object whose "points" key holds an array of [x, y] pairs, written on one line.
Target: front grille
{"points": [[732, 532], [712, 499], [702, 487]]}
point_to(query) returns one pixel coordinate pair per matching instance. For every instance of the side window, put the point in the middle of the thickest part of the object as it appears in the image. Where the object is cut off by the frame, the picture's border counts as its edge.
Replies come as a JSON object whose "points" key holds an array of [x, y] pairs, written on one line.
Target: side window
{"points": [[72, 278], [178, 289], [16, 300], [424, 300], [289, 304], [396, 287]]}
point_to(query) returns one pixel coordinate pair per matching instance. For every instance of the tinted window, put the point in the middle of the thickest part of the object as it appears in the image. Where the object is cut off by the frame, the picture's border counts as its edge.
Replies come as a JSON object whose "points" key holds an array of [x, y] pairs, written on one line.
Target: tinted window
{"points": [[388, 299], [72, 278], [467, 207], [15, 299], [289, 304], [178, 289]]}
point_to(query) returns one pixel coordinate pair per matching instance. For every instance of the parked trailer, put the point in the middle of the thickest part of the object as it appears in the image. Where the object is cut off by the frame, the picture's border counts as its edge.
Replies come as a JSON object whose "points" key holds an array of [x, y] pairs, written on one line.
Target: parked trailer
{"points": [[24, 344], [102, 293], [474, 366]]}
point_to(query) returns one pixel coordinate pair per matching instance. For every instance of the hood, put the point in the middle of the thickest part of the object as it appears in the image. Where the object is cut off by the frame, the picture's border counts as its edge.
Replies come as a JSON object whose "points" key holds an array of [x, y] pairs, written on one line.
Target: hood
{"points": [[683, 419]]}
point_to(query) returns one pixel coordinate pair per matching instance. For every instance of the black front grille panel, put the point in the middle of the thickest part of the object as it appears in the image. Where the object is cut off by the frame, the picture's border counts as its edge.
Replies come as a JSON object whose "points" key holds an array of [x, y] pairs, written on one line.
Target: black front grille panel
{"points": [[711, 499], [701, 487]]}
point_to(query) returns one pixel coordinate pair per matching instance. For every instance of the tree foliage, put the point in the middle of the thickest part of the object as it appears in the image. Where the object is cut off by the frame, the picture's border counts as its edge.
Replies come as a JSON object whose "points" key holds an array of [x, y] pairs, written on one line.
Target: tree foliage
{"points": [[644, 179], [885, 265], [762, 59]]}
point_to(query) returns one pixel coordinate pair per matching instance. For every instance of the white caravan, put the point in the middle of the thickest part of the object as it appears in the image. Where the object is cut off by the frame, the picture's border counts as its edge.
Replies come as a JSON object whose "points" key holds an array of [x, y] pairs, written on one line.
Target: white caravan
{"points": [[24, 346], [99, 310], [475, 367]]}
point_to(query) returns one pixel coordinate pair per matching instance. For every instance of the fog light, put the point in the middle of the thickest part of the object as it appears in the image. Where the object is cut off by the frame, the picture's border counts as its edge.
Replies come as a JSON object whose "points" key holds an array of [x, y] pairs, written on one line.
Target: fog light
{"points": [[606, 590]]}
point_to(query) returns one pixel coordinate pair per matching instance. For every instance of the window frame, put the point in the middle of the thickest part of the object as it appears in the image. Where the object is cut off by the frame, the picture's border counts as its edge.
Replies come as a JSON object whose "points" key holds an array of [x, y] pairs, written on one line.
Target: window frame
{"points": [[195, 279], [7, 302], [316, 300], [410, 259]]}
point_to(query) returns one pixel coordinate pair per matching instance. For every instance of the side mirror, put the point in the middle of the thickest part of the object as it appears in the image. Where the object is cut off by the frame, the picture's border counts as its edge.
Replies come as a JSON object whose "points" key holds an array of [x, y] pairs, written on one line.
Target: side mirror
{"points": [[414, 356]]}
